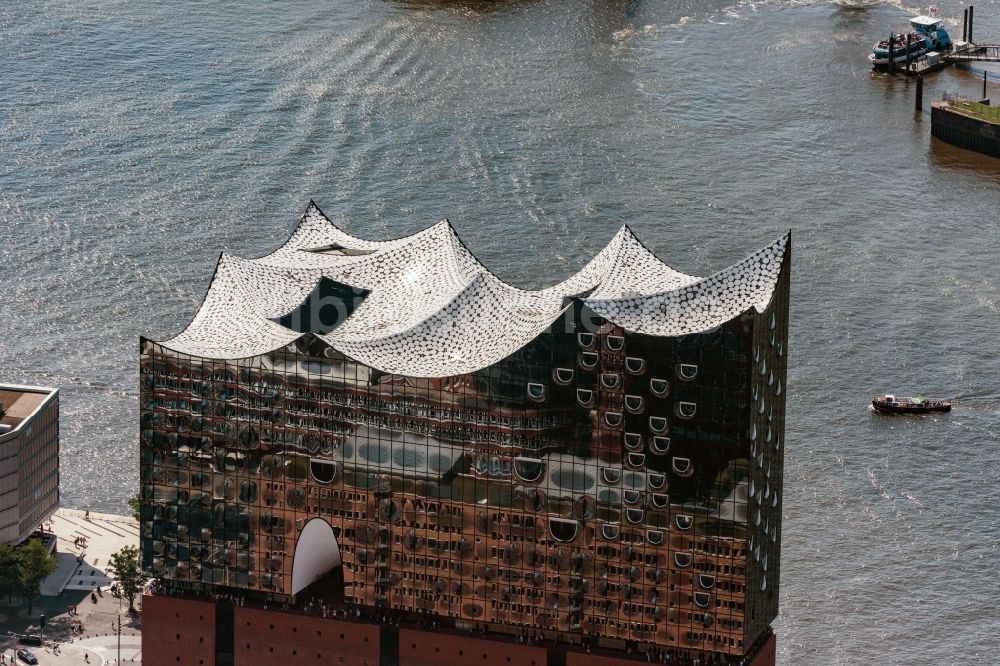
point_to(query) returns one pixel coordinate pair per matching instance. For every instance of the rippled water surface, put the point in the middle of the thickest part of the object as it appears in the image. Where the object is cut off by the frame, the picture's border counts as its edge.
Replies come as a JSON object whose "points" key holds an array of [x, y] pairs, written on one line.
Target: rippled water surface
{"points": [[140, 139]]}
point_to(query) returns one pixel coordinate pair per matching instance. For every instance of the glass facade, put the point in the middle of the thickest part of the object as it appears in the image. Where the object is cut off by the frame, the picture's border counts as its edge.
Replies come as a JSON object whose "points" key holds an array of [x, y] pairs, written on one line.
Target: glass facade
{"points": [[596, 482]]}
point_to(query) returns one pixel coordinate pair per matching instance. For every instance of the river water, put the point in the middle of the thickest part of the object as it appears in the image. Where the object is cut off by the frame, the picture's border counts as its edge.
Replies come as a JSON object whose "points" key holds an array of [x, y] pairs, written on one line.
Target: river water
{"points": [[140, 139]]}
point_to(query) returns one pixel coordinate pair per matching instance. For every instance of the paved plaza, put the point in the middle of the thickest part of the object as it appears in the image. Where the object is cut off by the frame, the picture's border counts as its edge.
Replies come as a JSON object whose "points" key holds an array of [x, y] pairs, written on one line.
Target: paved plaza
{"points": [[85, 545]]}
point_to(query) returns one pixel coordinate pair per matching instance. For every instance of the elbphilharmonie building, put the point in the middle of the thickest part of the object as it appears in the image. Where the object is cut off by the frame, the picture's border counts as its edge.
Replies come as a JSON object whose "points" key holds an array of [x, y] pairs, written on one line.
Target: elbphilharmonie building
{"points": [[385, 436]]}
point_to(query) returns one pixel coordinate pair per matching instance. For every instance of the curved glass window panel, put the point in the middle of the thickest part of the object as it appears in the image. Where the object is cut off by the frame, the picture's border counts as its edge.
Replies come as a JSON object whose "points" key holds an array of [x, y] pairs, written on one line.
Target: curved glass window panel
{"points": [[633, 403], [440, 462], [634, 480], [632, 496], [687, 371], [683, 522], [323, 471], [635, 365], [657, 481], [585, 340], [248, 492], [654, 537], [588, 360], [659, 387], [660, 445], [761, 406], [311, 443], [615, 342], [610, 532], [528, 470], [682, 466], [763, 583], [611, 475], [585, 397], [772, 322], [659, 500], [610, 380], [707, 581], [295, 497], [609, 497], [634, 516], [770, 378], [612, 419], [774, 499], [633, 441], [658, 424], [563, 530], [702, 599], [756, 518], [562, 376], [686, 410], [777, 388], [682, 560], [377, 452], [763, 367], [570, 478], [536, 391], [636, 460]]}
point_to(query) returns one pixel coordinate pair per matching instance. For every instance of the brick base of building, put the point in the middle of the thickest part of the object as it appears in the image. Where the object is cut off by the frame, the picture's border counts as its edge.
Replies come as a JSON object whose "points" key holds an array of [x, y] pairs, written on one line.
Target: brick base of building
{"points": [[202, 633]]}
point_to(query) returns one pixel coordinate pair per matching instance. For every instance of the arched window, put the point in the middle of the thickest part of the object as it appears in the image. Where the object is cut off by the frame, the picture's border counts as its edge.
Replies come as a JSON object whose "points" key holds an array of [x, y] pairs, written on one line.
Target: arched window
{"points": [[635, 365], [687, 371], [562, 376], [660, 445]]}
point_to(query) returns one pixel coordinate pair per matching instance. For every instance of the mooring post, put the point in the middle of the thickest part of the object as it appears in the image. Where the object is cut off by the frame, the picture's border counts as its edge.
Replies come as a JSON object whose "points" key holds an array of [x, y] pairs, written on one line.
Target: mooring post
{"points": [[965, 25], [971, 14], [920, 92], [909, 38], [892, 56], [984, 85]]}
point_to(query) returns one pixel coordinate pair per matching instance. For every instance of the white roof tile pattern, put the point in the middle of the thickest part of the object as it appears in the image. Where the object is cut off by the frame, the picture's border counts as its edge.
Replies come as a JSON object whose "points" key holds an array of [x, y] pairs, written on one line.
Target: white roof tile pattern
{"points": [[434, 311], [701, 305]]}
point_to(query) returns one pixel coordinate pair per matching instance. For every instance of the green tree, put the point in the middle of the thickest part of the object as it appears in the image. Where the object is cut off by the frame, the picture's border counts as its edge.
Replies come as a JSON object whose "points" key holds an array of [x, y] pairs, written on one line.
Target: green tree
{"points": [[34, 564], [133, 503], [127, 568], [10, 579]]}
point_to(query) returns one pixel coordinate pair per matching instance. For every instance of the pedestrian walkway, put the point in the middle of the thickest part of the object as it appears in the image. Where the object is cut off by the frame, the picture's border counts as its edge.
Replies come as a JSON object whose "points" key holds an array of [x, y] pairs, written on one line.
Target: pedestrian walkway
{"points": [[82, 623], [86, 542]]}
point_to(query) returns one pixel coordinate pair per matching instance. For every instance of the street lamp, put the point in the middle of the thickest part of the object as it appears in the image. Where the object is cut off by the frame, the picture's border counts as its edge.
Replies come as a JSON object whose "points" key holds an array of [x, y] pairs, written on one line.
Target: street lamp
{"points": [[119, 630]]}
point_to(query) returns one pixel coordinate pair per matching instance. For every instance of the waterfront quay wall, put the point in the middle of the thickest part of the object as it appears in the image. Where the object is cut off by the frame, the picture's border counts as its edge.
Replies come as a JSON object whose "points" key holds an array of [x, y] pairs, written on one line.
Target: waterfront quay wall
{"points": [[964, 131]]}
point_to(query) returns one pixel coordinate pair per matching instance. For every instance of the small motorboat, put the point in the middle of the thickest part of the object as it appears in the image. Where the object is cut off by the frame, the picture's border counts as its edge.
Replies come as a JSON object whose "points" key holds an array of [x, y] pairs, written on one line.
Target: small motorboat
{"points": [[928, 35], [890, 404]]}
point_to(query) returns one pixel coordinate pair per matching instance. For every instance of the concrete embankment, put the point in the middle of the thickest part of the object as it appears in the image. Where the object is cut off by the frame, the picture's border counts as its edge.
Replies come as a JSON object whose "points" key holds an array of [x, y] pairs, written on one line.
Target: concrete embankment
{"points": [[968, 125]]}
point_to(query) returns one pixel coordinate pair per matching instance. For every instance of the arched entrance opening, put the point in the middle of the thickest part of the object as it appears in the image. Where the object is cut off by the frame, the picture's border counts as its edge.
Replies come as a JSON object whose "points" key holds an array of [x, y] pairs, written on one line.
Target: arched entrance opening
{"points": [[317, 563]]}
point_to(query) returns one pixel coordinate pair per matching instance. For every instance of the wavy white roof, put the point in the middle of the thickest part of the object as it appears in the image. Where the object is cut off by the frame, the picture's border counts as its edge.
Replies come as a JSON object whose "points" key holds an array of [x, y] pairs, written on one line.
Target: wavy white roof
{"points": [[434, 311]]}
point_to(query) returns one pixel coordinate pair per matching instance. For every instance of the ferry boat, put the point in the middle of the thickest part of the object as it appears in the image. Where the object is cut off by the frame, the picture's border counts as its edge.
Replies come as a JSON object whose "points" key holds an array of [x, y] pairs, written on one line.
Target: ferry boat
{"points": [[890, 404], [928, 35]]}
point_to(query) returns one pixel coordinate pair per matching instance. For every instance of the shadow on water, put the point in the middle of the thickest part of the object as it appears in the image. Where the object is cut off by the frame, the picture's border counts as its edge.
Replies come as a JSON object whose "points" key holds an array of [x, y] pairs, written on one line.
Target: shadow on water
{"points": [[943, 154]]}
